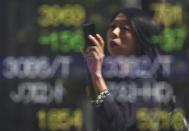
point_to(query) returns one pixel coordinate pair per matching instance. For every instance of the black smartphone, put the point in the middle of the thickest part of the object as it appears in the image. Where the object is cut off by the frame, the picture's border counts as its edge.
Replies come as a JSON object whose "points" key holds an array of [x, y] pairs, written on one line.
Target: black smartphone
{"points": [[88, 29]]}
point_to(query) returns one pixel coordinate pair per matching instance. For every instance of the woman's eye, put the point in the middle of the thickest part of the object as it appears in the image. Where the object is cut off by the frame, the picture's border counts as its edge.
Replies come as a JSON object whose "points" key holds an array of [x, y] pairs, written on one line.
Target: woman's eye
{"points": [[127, 28]]}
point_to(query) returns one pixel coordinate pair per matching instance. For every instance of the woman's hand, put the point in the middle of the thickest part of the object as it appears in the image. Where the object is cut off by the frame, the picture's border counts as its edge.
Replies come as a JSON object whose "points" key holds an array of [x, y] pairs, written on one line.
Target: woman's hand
{"points": [[94, 56]]}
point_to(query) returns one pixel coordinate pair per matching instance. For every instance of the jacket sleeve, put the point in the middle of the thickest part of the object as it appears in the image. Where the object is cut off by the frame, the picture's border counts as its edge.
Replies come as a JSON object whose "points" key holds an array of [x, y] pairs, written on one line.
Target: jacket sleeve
{"points": [[112, 113]]}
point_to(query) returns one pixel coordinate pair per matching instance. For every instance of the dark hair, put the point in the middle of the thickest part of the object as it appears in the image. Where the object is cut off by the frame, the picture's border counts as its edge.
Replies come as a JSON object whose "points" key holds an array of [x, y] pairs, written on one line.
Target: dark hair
{"points": [[144, 28]]}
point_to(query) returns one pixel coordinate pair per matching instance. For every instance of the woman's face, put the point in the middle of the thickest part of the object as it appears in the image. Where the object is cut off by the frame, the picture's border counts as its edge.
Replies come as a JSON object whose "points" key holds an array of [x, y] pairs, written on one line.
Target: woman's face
{"points": [[120, 38]]}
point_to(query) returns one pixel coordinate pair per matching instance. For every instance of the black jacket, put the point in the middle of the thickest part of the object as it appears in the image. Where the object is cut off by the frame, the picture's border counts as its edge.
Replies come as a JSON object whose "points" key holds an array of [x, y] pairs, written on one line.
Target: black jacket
{"points": [[116, 116]]}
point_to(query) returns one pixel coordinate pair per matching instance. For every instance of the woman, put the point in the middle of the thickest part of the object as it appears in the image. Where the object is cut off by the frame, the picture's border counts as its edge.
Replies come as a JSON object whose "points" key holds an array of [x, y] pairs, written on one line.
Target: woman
{"points": [[130, 33]]}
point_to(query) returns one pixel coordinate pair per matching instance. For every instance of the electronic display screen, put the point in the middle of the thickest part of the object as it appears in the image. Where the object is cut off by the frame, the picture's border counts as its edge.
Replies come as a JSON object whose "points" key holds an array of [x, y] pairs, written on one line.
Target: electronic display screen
{"points": [[44, 77]]}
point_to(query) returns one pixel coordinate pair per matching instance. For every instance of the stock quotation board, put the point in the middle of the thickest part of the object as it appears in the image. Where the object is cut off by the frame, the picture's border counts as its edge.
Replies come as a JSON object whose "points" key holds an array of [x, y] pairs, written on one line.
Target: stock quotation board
{"points": [[43, 74]]}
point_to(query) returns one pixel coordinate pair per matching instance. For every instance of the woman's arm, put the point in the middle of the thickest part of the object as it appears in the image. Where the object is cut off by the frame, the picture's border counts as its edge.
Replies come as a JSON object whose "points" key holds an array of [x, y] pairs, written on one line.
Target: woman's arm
{"points": [[94, 56]]}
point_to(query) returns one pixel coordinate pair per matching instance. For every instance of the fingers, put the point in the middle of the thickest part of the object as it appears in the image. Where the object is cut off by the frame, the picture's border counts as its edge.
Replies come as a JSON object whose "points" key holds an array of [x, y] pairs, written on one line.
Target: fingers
{"points": [[94, 55], [94, 51], [101, 41], [97, 41]]}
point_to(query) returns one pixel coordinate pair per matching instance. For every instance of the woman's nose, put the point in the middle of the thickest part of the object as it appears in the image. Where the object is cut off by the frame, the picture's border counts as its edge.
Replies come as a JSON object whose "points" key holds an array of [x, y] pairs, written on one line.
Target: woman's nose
{"points": [[116, 32]]}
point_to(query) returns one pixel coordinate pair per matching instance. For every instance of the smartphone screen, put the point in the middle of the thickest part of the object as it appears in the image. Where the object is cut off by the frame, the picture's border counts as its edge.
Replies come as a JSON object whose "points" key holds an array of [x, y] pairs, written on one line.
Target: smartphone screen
{"points": [[88, 29]]}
